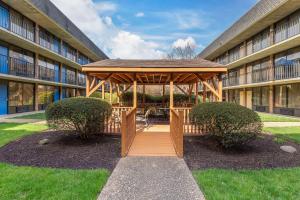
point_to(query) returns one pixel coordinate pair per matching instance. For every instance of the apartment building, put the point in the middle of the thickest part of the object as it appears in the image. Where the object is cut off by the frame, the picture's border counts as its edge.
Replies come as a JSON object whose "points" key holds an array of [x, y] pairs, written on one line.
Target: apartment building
{"points": [[262, 53], [41, 53]]}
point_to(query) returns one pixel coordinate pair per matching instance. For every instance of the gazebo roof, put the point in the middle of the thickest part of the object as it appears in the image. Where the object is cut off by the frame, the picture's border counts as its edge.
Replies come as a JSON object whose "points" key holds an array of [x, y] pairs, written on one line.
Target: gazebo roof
{"points": [[162, 63], [154, 71]]}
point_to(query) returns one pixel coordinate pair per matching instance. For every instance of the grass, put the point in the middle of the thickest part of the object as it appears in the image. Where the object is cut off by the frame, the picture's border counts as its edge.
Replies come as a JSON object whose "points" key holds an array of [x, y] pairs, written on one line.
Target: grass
{"points": [[43, 183], [266, 117], [292, 133], [11, 131], [32, 116], [249, 184]]}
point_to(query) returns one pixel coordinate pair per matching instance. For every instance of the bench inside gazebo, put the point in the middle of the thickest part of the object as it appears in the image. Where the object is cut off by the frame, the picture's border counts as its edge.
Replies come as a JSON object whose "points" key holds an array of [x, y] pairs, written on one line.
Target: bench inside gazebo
{"points": [[125, 74]]}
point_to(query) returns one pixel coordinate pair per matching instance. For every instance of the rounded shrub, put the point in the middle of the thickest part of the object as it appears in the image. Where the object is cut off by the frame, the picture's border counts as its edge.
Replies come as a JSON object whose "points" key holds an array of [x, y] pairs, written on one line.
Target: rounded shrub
{"points": [[84, 115], [230, 124]]}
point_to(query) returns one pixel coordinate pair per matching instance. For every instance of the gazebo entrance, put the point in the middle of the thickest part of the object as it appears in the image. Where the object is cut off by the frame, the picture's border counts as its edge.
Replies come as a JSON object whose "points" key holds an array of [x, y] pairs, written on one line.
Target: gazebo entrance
{"points": [[125, 74]]}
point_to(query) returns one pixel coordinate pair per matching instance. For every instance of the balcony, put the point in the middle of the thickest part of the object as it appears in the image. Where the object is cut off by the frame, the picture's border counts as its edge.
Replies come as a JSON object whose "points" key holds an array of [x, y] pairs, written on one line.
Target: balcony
{"points": [[20, 67], [46, 74], [70, 79], [81, 81], [280, 72]]}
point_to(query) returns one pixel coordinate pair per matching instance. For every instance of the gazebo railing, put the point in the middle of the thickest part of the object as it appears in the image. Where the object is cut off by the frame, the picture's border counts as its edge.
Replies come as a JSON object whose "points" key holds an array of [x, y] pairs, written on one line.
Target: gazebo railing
{"points": [[128, 130], [113, 124], [176, 131], [188, 127]]}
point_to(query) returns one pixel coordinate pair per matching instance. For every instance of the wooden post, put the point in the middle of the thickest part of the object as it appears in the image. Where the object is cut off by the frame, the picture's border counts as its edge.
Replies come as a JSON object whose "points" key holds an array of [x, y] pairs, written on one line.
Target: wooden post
{"points": [[196, 93], [204, 94], [118, 93], [134, 93], [103, 91], [123, 133], [171, 92], [144, 98], [110, 92], [220, 89], [163, 94]]}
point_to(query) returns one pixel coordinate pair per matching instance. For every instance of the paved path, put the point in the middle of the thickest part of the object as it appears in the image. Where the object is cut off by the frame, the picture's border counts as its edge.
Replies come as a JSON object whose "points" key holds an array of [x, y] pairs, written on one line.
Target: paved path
{"points": [[281, 124], [151, 178]]}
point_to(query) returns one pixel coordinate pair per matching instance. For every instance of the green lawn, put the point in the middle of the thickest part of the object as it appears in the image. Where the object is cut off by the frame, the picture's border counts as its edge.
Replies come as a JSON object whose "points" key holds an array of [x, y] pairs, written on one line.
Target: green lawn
{"points": [[42, 183], [292, 133], [12, 131], [249, 184], [32, 116], [265, 117]]}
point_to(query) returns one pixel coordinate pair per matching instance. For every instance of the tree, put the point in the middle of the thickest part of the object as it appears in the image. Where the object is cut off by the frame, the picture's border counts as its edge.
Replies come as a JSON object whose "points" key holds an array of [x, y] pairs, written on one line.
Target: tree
{"points": [[182, 52]]}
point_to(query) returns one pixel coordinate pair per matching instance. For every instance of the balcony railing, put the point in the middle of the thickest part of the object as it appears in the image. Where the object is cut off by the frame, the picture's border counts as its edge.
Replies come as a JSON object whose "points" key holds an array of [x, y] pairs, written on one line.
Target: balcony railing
{"points": [[279, 72], [20, 67], [81, 81], [46, 74], [70, 79]]}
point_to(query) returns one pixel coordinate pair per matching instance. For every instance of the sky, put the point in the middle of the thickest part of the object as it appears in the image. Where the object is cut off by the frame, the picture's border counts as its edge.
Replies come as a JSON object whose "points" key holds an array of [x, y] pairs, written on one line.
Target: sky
{"points": [[149, 29]]}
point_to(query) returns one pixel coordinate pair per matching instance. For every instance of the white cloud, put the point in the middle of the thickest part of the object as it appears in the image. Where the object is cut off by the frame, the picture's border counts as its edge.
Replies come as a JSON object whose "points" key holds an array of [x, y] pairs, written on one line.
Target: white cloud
{"points": [[140, 14], [184, 42], [115, 42], [106, 6], [185, 19], [131, 46]]}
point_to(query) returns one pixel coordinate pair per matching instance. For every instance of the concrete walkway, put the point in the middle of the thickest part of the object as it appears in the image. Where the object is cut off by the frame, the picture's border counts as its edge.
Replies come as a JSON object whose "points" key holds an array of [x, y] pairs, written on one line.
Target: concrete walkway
{"points": [[281, 124], [151, 178]]}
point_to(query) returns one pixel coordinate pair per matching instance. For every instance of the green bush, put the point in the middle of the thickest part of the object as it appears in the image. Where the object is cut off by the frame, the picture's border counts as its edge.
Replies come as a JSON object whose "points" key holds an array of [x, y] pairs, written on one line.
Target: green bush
{"points": [[84, 115], [230, 124]]}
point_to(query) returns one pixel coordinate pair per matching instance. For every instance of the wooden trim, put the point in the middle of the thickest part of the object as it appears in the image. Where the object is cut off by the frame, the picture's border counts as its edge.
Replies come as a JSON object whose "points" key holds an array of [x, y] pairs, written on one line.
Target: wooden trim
{"points": [[182, 90], [134, 94], [152, 69], [91, 91], [204, 82]]}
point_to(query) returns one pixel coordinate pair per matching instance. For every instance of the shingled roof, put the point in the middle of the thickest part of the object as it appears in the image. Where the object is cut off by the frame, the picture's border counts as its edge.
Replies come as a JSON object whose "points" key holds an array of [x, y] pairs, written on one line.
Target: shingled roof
{"points": [[163, 63]]}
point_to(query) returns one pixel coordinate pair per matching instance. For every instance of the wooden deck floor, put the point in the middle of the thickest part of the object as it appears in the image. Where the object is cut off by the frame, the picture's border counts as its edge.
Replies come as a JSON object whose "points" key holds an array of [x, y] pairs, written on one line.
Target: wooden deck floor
{"points": [[152, 144]]}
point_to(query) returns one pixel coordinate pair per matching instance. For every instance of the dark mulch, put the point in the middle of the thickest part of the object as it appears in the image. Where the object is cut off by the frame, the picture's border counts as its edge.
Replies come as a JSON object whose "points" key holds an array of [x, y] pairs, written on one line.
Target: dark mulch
{"points": [[203, 153], [64, 150]]}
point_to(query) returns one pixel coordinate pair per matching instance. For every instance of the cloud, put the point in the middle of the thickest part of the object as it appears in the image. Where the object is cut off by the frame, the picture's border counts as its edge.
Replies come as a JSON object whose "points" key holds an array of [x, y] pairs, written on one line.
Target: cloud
{"points": [[106, 6], [140, 14], [132, 46], [100, 28], [184, 42], [185, 19]]}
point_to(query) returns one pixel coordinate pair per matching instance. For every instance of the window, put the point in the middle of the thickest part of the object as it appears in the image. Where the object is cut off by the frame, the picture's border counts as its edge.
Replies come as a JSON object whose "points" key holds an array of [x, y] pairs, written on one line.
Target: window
{"points": [[21, 63], [261, 41], [46, 95], [81, 79], [82, 59], [21, 25], [49, 41], [68, 92], [48, 69], [234, 96], [287, 96], [68, 75], [68, 51], [4, 17], [294, 24], [234, 54], [21, 97], [260, 96]]}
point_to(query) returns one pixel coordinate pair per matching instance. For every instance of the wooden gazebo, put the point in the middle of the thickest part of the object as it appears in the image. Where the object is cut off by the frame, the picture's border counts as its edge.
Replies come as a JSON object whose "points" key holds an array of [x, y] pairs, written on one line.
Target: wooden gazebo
{"points": [[155, 72]]}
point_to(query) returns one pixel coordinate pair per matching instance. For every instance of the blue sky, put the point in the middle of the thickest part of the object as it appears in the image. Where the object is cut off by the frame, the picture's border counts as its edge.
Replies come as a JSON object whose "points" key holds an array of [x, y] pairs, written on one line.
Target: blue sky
{"points": [[149, 28]]}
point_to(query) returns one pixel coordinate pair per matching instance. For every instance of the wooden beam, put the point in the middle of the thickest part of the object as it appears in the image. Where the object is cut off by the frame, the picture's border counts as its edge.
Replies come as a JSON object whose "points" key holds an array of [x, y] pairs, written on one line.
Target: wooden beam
{"points": [[182, 90], [118, 93], [204, 95], [87, 85], [196, 93], [134, 94], [91, 91], [103, 90], [220, 89], [128, 76], [126, 80], [93, 82], [110, 92], [204, 82], [171, 92]]}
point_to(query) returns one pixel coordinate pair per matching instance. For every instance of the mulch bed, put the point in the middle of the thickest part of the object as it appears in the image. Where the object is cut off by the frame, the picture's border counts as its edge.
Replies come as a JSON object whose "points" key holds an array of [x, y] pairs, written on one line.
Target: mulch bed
{"points": [[204, 153], [64, 150]]}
